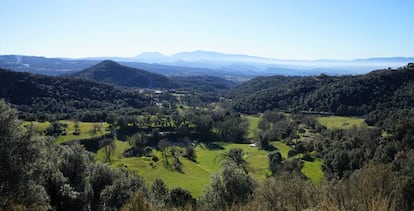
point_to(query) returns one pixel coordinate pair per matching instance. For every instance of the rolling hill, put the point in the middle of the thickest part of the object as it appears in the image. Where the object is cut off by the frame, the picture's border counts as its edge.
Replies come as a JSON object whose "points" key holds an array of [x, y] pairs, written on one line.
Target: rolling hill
{"points": [[111, 72], [38, 96], [380, 91]]}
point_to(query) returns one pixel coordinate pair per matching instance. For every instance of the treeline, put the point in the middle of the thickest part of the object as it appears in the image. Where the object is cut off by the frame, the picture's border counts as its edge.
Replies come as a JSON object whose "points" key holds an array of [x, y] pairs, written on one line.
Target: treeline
{"points": [[44, 97], [379, 94], [196, 124]]}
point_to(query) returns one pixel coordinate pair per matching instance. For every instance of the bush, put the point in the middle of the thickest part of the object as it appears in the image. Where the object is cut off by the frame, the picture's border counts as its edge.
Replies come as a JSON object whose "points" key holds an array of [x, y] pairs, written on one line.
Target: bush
{"points": [[292, 153], [181, 198], [307, 157], [155, 158]]}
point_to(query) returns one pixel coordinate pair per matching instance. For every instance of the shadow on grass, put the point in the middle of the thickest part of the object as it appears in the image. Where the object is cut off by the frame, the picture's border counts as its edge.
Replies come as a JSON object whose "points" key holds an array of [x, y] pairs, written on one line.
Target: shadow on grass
{"points": [[270, 148], [214, 146], [308, 157], [167, 164]]}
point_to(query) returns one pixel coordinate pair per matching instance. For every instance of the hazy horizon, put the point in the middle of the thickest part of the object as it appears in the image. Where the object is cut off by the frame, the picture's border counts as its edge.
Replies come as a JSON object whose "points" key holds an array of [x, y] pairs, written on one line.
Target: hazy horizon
{"points": [[232, 54]]}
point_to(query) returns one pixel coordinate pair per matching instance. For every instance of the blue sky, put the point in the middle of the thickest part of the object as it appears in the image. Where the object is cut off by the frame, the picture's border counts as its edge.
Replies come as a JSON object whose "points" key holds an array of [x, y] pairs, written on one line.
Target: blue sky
{"points": [[302, 29]]}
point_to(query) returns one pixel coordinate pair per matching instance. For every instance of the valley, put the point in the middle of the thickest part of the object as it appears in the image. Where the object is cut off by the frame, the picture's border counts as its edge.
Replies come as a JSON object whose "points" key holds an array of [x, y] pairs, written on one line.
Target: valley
{"points": [[184, 133]]}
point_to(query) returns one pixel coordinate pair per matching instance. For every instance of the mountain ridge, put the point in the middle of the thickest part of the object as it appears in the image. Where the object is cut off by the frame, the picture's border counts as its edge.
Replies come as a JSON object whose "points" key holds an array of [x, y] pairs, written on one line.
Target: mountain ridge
{"points": [[230, 66], [111, 72]]}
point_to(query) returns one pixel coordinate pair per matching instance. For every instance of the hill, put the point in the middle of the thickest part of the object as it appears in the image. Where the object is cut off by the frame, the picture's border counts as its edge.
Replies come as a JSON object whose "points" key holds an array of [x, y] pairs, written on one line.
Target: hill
{"points": [[38, 96], [111, 72], [381, 90], [203, 83], [260, 83]]}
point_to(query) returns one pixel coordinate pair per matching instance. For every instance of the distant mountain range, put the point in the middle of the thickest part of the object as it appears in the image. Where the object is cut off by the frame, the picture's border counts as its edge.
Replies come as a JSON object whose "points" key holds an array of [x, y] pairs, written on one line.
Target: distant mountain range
{"points": [[244, 64], [229, 66]]}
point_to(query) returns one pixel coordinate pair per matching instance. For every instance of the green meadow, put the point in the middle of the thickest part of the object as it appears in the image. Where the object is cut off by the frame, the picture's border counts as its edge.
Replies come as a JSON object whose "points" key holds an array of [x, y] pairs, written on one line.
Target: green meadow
{"points": [[313, 170], [252, 126], [196, 175], [37, 126], [87, 129], [338, 122]]}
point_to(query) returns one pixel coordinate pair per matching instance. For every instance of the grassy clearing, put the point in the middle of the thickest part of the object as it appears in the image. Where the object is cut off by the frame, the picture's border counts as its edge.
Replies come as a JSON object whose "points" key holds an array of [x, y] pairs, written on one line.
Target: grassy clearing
{"points": [[338, 122], [86, 130], [253, 123], [196, 175], [282, 148], [120, 147], [37, 126], [313, 170]]}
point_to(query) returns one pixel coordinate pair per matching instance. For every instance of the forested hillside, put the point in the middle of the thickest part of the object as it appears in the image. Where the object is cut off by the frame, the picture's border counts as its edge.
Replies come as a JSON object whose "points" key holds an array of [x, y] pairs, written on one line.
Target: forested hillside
{"points": [[114, 73], [203, 83], [40, 97], [381, 90], [260, 83]]}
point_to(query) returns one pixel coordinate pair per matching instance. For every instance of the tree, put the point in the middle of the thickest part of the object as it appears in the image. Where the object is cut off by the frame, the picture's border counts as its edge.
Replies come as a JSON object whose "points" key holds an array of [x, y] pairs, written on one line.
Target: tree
{"points": [[72, 162], [159, 194], [20, 158], [286, 192], [292, 153], [99, 176], [275, 162], [204, 124], [138, 202], [77, 127], [96, 127], [190, 153], [263, 141], [181, 198], [300, 148], [232, 185], [54, 129], [178, 165], [235, 156], [162, 146], [138, 142], [108, 149], [122, 189]]}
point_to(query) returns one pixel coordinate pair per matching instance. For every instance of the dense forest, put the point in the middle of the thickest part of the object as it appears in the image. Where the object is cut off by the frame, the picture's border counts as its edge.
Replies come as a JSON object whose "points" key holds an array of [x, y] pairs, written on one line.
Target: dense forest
{"points": [[40, 97], [365, 167], [380, 94]]}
